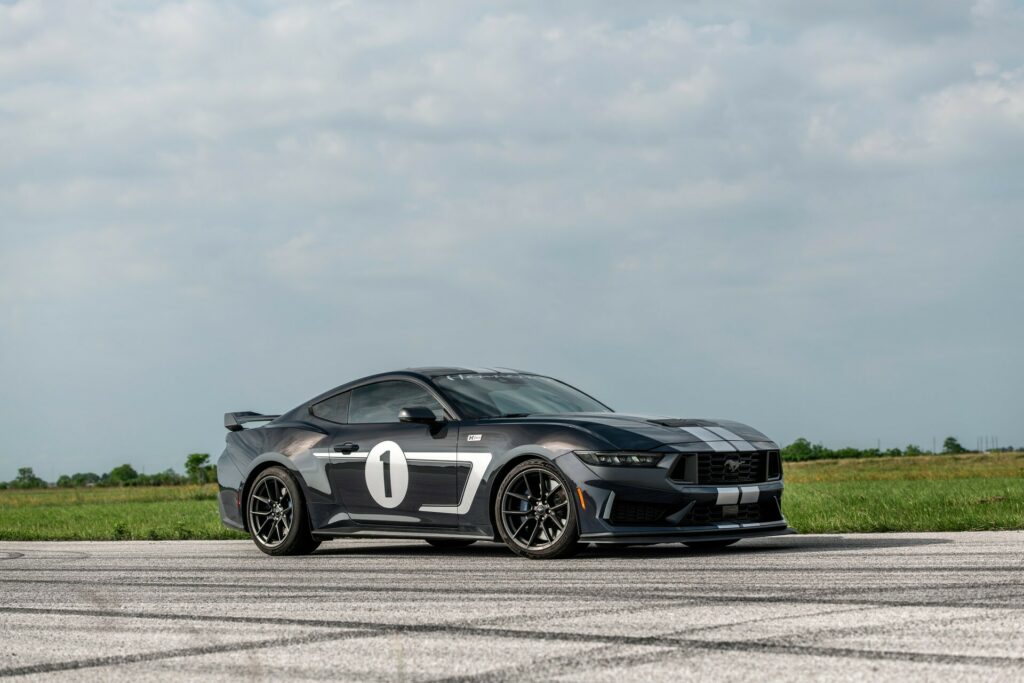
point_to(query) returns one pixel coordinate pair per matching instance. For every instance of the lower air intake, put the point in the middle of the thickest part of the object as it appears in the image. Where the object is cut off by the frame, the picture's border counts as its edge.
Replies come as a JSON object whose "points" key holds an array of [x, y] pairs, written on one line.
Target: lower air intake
{"points": [[628, 512]]}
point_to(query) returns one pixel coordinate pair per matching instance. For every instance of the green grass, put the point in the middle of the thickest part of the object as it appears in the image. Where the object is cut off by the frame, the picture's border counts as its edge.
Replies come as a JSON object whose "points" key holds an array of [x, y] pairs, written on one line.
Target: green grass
{"points": [[104, 514], [910, 493], [920, 493]]}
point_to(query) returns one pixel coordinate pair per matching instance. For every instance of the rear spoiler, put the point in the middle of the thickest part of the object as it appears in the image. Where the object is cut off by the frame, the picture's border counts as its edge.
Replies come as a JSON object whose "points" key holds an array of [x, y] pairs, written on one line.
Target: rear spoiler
{"points": [[234, 421]]}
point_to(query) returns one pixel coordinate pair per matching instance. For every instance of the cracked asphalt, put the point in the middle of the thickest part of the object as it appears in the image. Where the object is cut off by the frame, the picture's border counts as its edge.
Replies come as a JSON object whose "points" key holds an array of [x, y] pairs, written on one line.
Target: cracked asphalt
{"points": [[860, 607]]}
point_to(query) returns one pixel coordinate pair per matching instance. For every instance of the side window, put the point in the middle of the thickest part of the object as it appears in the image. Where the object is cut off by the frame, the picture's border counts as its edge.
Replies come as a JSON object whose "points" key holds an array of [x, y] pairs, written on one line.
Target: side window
{"points": [[334, 408], [380, 402]]}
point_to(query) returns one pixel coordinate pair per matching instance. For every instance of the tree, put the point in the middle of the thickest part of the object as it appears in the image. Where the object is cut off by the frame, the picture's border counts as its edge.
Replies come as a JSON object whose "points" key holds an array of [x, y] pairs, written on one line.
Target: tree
{"points": [[77, 479], [952, 446], [913, 450], [199, 469], [27, 479], [166, 478], [85, 479], [123, 475]]}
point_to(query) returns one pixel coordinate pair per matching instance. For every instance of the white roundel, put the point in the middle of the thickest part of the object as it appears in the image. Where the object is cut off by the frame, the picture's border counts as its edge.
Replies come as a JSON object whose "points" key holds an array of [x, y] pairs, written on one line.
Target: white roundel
{"points": [[387, 474]]}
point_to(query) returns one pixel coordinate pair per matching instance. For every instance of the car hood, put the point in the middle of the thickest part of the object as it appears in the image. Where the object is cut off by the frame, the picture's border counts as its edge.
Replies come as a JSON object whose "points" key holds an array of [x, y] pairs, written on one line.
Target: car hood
{"points": [[643, 432]]}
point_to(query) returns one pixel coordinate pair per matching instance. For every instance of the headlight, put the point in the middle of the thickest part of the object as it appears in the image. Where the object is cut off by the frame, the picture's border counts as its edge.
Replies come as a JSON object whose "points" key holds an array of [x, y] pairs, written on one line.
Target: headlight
{"points": [[616, 459]]}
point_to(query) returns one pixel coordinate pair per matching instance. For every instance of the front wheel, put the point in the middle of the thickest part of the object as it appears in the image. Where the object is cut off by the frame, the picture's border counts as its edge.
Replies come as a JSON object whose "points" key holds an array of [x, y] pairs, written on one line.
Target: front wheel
{"points": [[276, 514], [536, 512]]}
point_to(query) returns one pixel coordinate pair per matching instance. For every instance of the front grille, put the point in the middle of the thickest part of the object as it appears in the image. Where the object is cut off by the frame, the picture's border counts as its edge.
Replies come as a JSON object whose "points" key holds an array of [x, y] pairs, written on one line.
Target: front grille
{"points": [[722, 468], [730, 468], [709, 513], [629, 512]]}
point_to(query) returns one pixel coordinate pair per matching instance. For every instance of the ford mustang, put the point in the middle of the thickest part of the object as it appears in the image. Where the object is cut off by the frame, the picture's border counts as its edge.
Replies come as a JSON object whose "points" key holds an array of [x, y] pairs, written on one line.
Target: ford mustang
{"points": [[457, 455]]}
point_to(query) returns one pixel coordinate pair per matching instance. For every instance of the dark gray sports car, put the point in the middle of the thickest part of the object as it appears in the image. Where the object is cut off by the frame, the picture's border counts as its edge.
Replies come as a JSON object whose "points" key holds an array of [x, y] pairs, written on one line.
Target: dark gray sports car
{"points": [[457, 455]]}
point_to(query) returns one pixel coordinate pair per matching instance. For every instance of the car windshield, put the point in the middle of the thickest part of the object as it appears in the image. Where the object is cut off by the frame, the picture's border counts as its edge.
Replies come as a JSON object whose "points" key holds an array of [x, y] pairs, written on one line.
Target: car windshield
{"points": [[507, 395]]}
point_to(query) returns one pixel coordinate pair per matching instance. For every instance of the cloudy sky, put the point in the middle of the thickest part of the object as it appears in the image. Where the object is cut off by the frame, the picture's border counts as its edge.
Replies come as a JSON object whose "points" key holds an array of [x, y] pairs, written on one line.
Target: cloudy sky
{"points": [[808, 218]]}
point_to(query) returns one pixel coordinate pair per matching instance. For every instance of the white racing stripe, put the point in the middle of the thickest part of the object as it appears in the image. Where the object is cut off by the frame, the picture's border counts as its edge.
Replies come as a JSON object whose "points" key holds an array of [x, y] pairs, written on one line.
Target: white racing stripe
{"points": [[728, 495], [710, 438], [731, 495], [741, 444]]}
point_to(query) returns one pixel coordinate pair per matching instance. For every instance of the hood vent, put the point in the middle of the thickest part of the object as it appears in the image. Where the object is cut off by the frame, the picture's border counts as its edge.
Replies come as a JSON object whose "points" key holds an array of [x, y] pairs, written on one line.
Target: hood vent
{"points": [[673, 422]]}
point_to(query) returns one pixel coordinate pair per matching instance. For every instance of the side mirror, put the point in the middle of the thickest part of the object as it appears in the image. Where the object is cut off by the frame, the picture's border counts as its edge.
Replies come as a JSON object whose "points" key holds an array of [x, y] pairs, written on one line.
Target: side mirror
{"points": [[420, 414]]}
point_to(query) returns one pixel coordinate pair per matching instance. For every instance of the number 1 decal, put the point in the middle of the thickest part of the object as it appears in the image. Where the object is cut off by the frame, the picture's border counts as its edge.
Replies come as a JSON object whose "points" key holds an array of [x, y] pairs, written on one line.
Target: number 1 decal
{"points": [[387, 474], [385, 461]]}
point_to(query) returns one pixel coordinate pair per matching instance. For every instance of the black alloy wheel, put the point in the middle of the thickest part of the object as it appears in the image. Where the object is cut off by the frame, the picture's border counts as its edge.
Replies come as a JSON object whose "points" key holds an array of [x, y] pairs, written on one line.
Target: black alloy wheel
{"points": [[276, 515], [536, 512]]}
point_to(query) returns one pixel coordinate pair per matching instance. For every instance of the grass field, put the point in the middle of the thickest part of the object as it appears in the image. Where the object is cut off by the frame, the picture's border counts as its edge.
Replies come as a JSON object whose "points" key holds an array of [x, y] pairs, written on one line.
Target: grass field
{"points": [[920, 493], [969, 492], [95, 514]]}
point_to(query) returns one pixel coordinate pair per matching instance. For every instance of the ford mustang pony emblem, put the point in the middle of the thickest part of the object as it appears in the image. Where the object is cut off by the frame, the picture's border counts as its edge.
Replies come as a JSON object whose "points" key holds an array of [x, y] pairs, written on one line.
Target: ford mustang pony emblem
{"points": [[732, 466]]}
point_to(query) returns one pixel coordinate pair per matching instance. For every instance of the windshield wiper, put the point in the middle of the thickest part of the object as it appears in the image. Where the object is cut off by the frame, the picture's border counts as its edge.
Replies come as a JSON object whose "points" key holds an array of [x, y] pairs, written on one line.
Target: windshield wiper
{"points": [[514, 415]]}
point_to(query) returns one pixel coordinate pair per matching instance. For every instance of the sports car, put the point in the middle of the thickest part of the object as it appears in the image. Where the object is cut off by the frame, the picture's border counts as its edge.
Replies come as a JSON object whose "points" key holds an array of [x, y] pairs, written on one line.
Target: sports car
{"points": [[458, 455]]}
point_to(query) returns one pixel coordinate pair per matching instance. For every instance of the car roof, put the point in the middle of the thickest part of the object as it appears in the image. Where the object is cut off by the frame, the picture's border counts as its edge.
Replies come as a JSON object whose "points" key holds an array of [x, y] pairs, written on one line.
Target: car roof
{"points": [[422, 373], [441, 370]]}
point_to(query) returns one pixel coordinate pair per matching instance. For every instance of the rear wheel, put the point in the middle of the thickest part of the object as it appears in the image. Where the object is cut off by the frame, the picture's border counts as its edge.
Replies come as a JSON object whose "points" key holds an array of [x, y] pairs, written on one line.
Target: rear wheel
{"points": [[535, 512], [449, 543], [710, 545], [276, 514]]}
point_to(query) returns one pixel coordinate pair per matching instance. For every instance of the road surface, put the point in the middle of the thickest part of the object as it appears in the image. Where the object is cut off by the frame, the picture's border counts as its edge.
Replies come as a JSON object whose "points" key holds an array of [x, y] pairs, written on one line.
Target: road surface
{"points": [[860, 607]]}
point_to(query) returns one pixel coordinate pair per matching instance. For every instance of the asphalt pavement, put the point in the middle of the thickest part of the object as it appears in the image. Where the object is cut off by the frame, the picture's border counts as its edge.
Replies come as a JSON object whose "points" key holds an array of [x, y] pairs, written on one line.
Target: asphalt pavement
{"points": [[859, 607]]}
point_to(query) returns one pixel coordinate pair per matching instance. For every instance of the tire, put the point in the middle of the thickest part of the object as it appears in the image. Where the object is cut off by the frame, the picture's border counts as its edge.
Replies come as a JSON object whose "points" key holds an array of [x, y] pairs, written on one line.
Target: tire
{"points": [[449, 543], [276, 514], [710, 545], [541, 524]]}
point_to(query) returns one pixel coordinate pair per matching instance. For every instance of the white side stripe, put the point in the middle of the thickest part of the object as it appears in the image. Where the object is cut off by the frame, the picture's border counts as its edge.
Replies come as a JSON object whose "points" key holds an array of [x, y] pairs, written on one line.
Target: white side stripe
{"points": [[361, 455], [479, 461], [434, 457]]}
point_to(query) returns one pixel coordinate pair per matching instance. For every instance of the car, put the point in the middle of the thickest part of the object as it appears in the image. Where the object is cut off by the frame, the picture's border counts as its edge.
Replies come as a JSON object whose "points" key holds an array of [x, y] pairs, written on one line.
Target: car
{"points": [[457, 455]]}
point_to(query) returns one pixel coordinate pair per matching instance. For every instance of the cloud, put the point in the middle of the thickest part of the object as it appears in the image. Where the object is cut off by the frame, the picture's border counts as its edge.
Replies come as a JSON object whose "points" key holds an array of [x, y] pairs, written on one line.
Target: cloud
{"points": [[775, 213]]}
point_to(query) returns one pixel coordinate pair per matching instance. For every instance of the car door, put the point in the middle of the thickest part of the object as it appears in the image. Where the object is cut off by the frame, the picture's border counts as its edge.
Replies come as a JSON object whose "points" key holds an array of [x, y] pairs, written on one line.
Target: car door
{"points": [[389, 473]]}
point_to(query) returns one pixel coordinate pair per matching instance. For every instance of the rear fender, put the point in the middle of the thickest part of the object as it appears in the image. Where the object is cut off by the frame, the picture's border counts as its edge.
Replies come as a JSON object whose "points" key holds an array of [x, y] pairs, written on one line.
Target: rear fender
{"points": [[263, 462]]}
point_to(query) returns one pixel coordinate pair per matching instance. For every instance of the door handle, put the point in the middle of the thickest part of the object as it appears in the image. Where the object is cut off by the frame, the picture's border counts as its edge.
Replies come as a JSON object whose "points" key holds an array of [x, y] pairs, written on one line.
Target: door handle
{"points": [[347, 447]]}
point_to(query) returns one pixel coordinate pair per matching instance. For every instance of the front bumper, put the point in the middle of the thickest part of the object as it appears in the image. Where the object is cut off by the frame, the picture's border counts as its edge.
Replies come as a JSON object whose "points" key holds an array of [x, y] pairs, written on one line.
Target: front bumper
{"points": [[634, 505]]}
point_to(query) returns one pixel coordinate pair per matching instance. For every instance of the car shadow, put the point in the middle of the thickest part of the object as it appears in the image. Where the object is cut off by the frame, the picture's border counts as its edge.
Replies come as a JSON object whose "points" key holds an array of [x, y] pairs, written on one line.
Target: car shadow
{"points": [[774, 545], [778, 544], [409, 548]]}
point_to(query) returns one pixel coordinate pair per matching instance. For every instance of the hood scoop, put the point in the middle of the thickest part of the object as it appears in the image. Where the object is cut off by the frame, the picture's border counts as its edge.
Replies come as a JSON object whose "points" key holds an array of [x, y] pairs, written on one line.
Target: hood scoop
{"points": [[674, 422]]}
